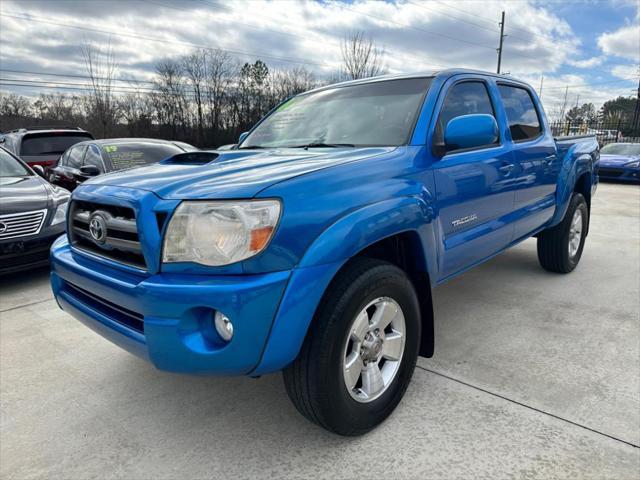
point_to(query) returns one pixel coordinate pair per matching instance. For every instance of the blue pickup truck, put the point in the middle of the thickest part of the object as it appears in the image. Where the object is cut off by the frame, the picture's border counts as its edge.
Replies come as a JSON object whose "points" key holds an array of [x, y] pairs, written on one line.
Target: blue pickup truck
{"points": [[313, 245]]}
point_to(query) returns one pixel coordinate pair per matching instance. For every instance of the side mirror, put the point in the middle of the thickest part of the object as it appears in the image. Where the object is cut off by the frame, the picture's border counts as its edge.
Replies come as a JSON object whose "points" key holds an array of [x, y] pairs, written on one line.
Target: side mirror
{"points": [[243, 135], [39, 170], [468, 131], [89, 170]]}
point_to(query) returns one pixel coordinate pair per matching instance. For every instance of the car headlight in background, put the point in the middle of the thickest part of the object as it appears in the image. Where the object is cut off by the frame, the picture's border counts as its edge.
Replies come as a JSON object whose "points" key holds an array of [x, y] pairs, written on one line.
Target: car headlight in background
{"points": [[635, 164], [60, 214], [217, 233]]}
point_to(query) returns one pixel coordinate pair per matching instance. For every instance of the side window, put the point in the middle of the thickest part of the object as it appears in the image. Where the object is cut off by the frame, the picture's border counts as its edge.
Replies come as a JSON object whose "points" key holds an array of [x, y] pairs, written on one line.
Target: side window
{"points": [[74, 160], [64, 159], [93, 158], [524, 122], [462, 99]]}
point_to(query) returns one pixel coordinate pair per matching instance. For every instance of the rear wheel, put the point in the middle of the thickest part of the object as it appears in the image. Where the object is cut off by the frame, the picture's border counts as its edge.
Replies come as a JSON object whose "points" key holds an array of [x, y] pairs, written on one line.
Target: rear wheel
{"points": [[560, 247], [361, 349]]}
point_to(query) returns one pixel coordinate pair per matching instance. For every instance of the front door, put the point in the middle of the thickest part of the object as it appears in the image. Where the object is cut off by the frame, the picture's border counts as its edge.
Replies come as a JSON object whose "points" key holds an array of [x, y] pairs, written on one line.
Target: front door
{"points": [[474, 188]]}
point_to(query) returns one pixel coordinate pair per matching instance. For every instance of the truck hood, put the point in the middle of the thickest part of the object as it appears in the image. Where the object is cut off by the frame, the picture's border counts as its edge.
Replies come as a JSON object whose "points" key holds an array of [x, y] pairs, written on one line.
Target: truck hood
{"points": [[230, 174]]}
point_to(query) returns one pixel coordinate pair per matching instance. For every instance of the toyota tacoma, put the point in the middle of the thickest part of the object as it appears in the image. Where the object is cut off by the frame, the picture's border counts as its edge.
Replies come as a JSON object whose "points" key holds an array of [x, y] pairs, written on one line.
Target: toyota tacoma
{"points": [[312, 246]]}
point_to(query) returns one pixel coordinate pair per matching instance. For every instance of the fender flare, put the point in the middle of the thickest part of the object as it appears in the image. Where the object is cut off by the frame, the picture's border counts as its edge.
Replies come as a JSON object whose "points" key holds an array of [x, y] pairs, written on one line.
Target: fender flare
{"points": [[570, 172], [323, 260]]}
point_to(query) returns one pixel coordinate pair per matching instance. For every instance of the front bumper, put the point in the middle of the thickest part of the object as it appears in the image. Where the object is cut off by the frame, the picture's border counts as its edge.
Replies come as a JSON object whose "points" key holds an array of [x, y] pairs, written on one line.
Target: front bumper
{"points": [[24, 253], [619, 173], [167, 318]]}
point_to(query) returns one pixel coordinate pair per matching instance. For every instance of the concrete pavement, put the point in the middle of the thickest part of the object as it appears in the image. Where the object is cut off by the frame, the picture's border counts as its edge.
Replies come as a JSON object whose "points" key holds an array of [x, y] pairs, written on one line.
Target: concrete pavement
{"points": [[535, 376]]}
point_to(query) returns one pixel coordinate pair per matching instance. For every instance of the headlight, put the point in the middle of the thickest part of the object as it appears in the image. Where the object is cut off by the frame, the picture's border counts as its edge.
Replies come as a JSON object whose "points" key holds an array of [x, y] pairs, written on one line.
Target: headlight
{"points": [[635, 164], [61, 214], [221, 232]]}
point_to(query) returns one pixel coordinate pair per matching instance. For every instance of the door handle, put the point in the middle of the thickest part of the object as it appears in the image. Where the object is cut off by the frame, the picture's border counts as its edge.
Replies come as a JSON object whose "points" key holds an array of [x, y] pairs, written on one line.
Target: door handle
{"points": [[548, 160], [506, 169]]}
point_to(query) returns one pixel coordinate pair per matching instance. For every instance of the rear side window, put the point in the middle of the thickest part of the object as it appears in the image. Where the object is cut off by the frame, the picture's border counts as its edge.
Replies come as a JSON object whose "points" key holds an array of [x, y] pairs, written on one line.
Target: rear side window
{"points": [[50, 144], [122, 156], [464, 98], [74, 159], [524, 122]]}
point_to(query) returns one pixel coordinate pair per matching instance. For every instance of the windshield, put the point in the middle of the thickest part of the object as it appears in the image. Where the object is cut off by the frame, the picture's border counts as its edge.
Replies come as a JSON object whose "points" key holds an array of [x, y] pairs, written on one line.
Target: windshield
{"points": [[621, 149], [129, 155], [373, 114], [10, 167], [50, 144]]}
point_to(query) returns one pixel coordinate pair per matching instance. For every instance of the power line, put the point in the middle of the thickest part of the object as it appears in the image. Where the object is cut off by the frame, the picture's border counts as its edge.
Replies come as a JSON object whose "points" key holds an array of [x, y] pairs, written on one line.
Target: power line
{"points": [[160, 40], [261, 28], [510, 30], [592, 84], [73, 76]]}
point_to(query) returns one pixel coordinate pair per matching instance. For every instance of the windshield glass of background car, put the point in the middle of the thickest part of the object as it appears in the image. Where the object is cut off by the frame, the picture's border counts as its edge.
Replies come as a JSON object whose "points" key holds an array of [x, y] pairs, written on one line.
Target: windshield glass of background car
{"points": [[621, 149], [122, 156], [373, 114], [10, 167], [49, 144]]}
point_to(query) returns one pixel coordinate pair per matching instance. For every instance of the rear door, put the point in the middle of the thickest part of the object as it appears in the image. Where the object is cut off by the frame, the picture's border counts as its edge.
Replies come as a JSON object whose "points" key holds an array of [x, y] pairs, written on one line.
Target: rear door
{"points": [[474, 187], [534, 155]]}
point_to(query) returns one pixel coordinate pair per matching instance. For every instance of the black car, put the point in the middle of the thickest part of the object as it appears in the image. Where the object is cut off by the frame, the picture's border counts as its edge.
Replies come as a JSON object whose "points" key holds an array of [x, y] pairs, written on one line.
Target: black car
{"points": [[32, 215], [42, 145], [88, 159]]}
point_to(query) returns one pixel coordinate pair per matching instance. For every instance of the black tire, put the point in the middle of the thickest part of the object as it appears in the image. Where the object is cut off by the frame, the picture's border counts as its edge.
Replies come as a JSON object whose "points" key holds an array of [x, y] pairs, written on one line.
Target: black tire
{"points": [[553, 243], [315, 382]]}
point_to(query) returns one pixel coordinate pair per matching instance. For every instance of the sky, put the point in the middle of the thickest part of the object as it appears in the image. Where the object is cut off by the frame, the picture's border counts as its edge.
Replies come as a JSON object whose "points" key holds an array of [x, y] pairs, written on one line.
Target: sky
{"points": [[592, 46]]}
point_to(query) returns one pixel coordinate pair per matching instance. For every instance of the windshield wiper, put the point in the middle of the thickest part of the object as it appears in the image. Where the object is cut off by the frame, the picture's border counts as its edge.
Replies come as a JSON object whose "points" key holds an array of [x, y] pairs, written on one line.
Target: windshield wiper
{"points": [[324, 145], [252, 147]]}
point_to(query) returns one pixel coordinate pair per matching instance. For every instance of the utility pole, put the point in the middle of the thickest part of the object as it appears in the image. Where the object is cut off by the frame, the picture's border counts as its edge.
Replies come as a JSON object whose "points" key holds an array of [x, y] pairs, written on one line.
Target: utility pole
{"points": [[636, 114], [502, 35], [564, 102], [540, 91]]}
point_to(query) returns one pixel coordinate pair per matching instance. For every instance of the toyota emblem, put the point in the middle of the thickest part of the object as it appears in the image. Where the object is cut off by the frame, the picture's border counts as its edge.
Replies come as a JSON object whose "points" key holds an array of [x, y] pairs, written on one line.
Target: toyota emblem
{"points": [[98, 228]]}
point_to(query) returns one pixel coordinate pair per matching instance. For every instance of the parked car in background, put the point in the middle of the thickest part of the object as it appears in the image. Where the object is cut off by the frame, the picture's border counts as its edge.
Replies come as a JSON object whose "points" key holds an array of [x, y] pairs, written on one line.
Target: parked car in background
{"points": [[42, 145], [621, 162], [90, 159], [314, 245], [32, 215]]}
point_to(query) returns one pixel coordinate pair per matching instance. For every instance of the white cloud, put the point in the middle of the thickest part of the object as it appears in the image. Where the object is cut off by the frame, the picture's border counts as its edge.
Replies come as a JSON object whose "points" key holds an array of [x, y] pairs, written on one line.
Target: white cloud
{"points": [[624, 42], [416, 35], [625, 71], [588, 62]]}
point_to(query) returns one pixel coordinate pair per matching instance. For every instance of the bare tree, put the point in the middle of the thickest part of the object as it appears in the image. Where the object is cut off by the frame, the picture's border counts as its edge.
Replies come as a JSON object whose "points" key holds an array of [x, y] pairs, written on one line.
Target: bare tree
{"points": [[12, 105], [361, 57], [195, 69], [170, 98], [221, 70], [101, 68]]}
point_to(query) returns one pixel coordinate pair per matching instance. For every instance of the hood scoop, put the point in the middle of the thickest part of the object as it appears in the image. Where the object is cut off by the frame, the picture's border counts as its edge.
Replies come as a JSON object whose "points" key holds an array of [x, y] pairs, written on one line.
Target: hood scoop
{"points": [[190, 158]]}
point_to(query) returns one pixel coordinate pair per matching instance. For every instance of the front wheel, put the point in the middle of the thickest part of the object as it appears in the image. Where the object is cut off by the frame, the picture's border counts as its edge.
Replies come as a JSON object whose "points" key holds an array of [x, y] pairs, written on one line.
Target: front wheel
{"points": [[361, 349], [560, 247]]}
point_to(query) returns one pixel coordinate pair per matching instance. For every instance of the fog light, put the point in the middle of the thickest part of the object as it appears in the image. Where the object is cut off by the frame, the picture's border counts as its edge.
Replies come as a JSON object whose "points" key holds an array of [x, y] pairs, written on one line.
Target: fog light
{"points": [[224, 327]]}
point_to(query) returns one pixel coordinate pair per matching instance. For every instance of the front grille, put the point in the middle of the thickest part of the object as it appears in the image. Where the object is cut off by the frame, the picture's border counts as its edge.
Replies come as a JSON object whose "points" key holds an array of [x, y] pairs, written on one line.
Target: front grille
{"points": [[114, 234], [121, 315], [610, 172], [17, 225]]}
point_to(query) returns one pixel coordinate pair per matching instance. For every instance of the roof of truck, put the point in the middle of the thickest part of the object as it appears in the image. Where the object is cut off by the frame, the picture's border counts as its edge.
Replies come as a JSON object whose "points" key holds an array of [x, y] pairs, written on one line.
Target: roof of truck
{"points": [[431, 73]]}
